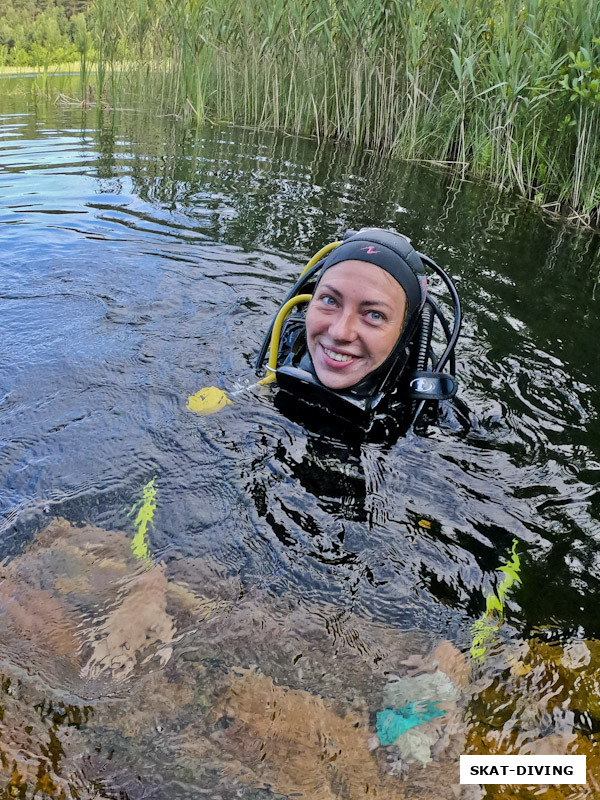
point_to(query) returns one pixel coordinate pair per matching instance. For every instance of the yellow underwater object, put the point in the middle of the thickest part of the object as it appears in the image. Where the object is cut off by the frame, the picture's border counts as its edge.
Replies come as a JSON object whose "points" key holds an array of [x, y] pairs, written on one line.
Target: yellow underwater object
{"points": [[486, 626], [145, 516], [211, 399], [208, 400]]}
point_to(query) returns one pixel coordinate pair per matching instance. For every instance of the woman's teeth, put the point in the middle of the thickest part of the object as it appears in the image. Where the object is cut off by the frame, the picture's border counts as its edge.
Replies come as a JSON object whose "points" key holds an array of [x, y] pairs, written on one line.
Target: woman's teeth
{"points": [[337, 356]]}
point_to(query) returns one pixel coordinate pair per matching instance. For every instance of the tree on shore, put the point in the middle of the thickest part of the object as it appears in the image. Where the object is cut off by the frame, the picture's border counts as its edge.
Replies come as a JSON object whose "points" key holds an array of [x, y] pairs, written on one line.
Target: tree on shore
{"points": [[42, 32]]}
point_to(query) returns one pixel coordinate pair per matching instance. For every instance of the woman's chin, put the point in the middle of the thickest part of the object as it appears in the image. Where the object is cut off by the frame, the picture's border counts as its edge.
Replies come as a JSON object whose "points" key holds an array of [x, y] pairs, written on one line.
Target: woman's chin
{"points": [[335, 379], [335, 375]]}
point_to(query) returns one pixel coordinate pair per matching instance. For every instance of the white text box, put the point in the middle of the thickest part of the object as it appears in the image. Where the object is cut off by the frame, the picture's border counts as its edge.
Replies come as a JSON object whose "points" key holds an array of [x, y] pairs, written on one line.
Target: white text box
{"points": [[522, 769]]}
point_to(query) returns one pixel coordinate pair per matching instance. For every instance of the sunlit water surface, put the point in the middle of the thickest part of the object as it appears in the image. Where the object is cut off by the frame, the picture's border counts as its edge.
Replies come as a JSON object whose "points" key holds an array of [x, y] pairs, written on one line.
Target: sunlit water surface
{"points": [[246, 646]]}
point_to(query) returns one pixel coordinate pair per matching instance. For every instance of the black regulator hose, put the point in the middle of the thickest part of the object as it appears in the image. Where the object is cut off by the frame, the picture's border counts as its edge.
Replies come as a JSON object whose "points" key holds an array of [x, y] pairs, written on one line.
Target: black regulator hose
{"points": [[425, 334], [447, 333], [449, 351]]}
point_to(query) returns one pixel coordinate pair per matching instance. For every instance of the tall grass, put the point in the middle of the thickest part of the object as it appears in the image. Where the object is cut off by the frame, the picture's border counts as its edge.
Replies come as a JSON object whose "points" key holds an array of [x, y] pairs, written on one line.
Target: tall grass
{"points": [[505, 90]]}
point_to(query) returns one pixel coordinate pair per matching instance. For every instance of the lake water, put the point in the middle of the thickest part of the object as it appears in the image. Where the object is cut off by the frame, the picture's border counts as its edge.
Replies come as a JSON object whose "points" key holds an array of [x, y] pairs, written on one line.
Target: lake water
{"points": [[286, 590]]}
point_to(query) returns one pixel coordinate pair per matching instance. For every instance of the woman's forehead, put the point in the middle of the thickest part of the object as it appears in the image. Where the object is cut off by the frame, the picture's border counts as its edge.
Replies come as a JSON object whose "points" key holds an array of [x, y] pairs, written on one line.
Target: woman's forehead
{"points": [[365, 278]]}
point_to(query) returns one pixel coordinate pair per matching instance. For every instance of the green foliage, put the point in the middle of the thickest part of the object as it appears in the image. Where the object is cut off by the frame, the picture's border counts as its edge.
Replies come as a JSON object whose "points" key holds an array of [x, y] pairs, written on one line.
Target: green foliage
{"points": [[486, 626], [508, 90], [36, 33], [504, 90], [581, 79]]}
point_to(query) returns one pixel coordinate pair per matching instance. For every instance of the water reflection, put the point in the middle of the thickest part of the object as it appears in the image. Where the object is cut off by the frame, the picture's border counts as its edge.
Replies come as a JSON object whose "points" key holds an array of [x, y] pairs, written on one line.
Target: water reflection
{"points": [[143, 260]]}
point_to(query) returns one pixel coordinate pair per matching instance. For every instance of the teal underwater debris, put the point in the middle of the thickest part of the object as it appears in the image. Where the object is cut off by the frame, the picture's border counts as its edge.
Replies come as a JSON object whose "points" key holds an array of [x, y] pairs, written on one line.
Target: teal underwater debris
{"points": [[413, 701], [393, 722]]}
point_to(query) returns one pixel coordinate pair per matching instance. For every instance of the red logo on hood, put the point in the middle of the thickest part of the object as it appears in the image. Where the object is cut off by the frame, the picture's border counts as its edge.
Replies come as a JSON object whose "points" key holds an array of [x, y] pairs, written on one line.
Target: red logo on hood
{"points": [[371, 250]]}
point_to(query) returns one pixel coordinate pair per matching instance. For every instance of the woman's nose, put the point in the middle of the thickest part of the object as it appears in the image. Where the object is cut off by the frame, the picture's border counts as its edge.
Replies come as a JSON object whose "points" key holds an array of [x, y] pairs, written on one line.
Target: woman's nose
{"points": [[343, 327]]}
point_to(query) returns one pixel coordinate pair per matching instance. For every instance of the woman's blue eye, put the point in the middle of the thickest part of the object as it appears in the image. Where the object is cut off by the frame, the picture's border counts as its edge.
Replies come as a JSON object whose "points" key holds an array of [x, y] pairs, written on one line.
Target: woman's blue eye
{"points": [[376, 315], [328, 299]]}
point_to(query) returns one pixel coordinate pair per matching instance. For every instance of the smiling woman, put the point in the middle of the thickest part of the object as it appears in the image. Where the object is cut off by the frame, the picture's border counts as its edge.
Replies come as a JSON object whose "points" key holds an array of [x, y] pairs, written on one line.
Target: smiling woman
{"points": [[362, 350], [353, 322], [363, 345]]}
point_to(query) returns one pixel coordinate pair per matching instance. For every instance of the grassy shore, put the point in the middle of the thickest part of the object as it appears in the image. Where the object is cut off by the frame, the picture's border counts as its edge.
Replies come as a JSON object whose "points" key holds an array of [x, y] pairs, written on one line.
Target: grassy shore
{"points": [[507, 91], [72, 68], [504, 90]]}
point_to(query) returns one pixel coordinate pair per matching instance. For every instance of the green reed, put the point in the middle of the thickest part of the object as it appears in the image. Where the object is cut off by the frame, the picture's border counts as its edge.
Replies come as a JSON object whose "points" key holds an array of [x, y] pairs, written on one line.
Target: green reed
{"points": [[503, 90]]}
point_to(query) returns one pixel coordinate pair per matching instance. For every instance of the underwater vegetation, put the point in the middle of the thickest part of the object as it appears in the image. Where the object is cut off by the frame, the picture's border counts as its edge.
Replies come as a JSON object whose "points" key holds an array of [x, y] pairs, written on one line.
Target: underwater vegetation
{"points": [[144, 511], [117, 669], [485, 627]]}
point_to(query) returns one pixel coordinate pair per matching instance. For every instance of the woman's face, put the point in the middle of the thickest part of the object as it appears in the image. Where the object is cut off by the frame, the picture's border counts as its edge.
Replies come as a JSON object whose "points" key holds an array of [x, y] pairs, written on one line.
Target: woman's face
{"points": [[353, 321]]}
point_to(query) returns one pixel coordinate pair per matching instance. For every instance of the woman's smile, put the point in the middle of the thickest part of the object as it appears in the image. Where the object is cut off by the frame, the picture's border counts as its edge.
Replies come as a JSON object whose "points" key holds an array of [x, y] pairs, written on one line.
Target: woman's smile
{"points": [[341, 358]]}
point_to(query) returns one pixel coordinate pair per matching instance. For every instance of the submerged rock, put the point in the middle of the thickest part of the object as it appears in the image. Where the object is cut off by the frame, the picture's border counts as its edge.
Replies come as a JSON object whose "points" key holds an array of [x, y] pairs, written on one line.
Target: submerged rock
{"points": [[127, 678], [80, 592], [140, 624], [79, 615], [293, 743]]}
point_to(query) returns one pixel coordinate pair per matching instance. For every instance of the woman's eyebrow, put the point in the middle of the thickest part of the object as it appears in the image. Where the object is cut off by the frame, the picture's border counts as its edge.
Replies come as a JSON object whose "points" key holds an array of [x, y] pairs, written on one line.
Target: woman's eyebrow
{"points": [[363, 303], [329, 288], [372, 303]]}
